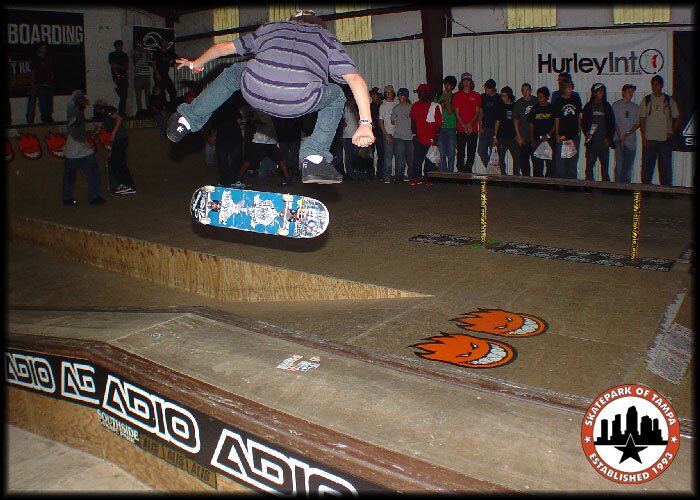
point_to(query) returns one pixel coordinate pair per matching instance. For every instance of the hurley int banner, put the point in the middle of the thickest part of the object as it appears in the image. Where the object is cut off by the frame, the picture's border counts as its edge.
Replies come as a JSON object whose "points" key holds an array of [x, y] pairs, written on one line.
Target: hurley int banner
{"points": [[612, 59], [62, 32]]}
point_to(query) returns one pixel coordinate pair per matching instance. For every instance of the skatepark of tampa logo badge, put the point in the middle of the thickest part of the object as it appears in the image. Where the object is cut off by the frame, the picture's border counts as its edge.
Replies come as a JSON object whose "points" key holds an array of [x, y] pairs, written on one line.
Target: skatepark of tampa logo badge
{"points": [[630, 434]]}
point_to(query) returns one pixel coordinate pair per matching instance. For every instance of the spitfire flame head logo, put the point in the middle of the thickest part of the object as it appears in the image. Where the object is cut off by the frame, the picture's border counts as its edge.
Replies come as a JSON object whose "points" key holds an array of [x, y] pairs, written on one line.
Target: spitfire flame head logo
{"points": [[466, 351], [500, 322], [29, 146], [55, 143], [9, 152], [91, 142], [105, 139]]}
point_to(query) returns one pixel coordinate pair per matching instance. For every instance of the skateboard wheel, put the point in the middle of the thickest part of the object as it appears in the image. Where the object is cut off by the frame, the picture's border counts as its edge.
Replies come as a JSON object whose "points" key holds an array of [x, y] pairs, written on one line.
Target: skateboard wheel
{"points": [[283, 232], [287, 197], [208, 189], [205, 220]]}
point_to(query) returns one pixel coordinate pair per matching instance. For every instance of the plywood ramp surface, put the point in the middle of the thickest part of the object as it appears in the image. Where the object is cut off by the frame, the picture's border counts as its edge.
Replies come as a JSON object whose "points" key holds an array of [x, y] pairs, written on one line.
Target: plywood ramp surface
{"points": [[222, 278]]}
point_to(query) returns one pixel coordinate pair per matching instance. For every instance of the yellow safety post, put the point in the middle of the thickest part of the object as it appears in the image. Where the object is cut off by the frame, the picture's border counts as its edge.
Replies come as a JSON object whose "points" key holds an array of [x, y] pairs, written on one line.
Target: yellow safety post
{"points": [[636, 210], [482, 228]]}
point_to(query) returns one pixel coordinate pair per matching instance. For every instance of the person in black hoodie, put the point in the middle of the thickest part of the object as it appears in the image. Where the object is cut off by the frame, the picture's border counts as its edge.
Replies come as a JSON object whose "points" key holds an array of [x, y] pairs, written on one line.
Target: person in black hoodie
{"points": [[598, 124]]}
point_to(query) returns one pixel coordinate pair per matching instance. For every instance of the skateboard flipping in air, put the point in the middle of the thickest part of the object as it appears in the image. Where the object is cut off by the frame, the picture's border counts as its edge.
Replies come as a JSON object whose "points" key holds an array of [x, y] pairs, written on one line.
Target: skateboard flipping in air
{"points": [[288, 215]]}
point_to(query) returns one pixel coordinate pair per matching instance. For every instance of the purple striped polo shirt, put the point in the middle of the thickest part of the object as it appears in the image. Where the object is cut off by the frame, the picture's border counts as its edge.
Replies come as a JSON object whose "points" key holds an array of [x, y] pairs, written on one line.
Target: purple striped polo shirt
{"points": [[293, 61]]}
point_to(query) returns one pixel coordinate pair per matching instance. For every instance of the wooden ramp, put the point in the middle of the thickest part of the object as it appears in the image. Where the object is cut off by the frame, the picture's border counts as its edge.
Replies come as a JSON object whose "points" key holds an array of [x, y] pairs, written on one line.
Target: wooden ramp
{"points": [[222, 278]]}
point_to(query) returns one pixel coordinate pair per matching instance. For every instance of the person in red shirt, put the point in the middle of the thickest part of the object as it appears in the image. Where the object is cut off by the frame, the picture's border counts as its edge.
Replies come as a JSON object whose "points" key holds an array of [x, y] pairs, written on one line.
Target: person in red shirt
{"points": [[467, 104], [426, 119]]}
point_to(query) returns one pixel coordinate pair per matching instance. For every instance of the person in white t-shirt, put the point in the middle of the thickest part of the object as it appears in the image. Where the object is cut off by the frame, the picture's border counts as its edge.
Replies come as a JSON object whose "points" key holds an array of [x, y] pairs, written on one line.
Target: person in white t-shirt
{"points": [[78, 154], [387, 129], [264, 145]]}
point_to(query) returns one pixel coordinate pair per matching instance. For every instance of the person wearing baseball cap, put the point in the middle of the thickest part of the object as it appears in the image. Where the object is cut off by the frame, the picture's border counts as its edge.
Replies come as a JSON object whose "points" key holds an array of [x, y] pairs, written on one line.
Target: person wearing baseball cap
{"points": [[426, 119], [387, 132], [491, 104], [297, 68], [626, 125], [598, 125]]}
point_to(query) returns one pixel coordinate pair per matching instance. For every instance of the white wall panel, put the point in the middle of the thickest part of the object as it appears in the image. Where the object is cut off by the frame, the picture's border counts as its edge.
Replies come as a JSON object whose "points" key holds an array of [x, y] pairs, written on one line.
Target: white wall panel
{"points": [[401, 64], [510, 60]]}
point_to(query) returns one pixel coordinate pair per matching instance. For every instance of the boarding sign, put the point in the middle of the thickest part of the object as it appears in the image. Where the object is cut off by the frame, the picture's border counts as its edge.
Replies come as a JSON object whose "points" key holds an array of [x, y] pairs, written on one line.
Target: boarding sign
{"points": [[63, 34]]}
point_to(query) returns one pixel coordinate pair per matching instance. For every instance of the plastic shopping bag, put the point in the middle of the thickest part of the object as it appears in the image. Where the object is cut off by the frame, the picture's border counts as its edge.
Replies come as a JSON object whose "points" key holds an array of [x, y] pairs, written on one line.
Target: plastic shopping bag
{"points": [[433, 155], [543, 151], [494, 166], [568, 149]]}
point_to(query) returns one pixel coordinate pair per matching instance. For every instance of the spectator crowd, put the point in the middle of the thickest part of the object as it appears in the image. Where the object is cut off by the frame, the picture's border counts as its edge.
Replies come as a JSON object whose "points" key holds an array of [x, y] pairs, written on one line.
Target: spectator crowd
{"points": [[539, 133]]}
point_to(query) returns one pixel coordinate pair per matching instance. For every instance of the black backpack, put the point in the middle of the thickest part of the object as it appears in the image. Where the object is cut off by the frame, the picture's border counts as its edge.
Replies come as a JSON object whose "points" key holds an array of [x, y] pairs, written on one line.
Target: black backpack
{"points": [[667, 103]]}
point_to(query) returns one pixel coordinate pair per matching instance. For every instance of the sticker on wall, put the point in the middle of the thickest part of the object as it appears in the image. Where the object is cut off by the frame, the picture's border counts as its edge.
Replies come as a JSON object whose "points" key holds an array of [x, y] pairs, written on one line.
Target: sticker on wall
{"points": [[466, 351], [500, 322], [105, 139], [9, 152], [54, 144], [29, 146], [296, 363]]}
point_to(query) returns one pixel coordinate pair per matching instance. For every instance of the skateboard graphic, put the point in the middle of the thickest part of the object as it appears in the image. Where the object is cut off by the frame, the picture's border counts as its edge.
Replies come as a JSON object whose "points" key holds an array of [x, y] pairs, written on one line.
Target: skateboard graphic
{"points": [[288, 215]]}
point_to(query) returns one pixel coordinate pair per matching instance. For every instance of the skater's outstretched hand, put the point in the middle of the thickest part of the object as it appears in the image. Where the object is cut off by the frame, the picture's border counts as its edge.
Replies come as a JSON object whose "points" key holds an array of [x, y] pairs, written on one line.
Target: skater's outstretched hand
{"points": [[363, 136], [182, 63]]}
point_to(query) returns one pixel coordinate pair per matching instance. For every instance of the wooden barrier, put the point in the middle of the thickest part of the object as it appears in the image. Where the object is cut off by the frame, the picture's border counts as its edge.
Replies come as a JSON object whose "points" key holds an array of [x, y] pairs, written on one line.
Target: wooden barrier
{"points": [[636, 188], [169, 429], [225, 279]]}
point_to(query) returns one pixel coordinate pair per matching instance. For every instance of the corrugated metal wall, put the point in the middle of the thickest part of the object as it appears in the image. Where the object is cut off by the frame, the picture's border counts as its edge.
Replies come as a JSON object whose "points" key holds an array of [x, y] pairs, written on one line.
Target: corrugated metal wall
{"points": [[510, 60], [400, 64]]}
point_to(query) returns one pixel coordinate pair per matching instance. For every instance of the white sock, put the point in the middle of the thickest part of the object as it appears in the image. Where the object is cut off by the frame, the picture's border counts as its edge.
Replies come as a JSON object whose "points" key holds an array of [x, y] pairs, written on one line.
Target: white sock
{"points": [[315, 158], [184, 121]]}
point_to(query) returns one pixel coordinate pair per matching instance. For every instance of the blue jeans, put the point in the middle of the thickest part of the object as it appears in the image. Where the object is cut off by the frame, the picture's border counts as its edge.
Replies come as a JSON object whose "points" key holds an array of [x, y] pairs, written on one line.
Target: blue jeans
{"points": [[485, 145], [661, 150], [538, 164], [350, 157], [419, 156], [403, 157], [566, 168], [447, 144], [388, 158], [624, 158], [88, 164], [329, 107], [602, 154]]}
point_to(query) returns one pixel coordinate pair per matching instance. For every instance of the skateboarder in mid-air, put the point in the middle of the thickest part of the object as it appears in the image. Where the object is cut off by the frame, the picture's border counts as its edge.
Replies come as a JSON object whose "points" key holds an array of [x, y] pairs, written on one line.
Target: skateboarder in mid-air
{"points": [[296, 67]]}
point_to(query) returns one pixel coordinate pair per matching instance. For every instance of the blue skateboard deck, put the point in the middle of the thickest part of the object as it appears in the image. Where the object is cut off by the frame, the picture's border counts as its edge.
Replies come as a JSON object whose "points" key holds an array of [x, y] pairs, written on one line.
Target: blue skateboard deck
{"points": [[288, 215]]}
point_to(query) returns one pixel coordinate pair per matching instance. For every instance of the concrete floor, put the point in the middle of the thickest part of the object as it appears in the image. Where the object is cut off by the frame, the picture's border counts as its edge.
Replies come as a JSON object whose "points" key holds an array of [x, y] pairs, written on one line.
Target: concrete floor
{"points": [[63, 469], [601, 320]]}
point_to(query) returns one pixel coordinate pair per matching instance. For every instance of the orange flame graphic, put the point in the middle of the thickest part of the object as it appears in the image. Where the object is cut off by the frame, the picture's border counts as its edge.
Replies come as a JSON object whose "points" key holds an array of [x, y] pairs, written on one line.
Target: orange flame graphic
{"points": [[500, 322], [55, 143], [29, 146], [105, 139], [466, 351]]}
